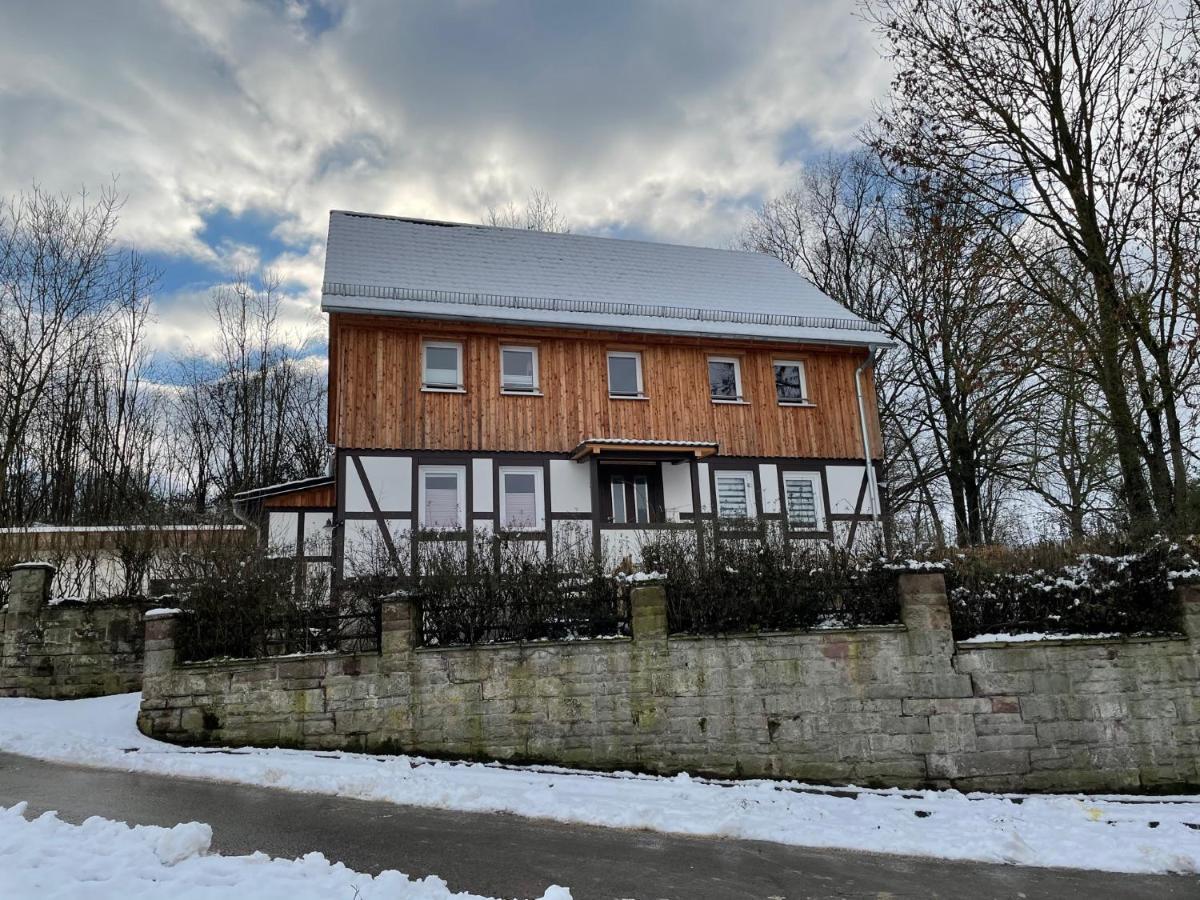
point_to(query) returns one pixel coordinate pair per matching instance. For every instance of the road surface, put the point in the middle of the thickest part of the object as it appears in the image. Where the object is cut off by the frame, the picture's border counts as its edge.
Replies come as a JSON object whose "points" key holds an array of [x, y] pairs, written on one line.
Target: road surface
{"points": [[508, 856]]}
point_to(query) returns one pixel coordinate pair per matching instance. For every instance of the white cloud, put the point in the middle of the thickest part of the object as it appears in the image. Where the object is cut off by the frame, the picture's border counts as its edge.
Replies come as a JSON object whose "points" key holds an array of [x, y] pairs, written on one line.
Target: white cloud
{"points": [[666, 119]]}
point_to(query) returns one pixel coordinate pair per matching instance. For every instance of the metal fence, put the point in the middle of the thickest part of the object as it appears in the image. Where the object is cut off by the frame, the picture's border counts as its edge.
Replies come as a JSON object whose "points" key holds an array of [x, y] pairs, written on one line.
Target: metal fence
{"points": [[526, 607]]}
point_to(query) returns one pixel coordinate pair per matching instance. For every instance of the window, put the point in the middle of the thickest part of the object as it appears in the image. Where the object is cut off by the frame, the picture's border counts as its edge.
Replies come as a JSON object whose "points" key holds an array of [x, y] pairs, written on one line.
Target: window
{"points": [[633, 494], [519, 370], [521, 504], [442, 366], [790, 384], [725, 379], [624, 374], [735, 495], [802, 497], [443, 498]]}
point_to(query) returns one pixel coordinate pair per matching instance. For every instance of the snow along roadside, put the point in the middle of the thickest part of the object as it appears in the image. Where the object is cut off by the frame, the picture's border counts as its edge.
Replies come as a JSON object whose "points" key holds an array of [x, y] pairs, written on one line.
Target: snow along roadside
{"points": [[106, 860], [1142, 835]]}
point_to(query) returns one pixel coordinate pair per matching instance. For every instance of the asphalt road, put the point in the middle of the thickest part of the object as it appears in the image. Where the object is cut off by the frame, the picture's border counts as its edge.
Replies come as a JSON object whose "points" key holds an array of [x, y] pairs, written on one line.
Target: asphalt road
{"points": [[508, 856]]}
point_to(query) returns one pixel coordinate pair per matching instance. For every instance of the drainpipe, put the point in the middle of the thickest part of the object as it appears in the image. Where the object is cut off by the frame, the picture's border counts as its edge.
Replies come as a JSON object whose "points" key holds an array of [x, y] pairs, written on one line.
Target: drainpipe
{"points": [[241, 513], [872, 484]]}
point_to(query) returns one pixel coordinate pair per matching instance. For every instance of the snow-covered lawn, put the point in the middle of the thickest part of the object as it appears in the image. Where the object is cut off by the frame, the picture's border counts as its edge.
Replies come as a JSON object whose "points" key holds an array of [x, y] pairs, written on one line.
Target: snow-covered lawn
{"points": [[106, 860], [1119, 834]]}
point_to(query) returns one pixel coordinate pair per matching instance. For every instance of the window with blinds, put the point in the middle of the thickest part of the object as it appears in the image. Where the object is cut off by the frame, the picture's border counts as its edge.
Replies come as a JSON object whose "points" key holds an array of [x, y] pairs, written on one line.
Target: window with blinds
{"points": [[442, 366], [521, 500], [735, 498], [803, 499], [442, 500]]}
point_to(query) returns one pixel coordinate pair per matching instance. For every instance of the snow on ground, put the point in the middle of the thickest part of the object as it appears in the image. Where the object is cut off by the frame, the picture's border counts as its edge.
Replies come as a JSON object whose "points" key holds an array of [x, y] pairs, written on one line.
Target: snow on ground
{"points": [[1028, 637], [106, 860], [1112, 833]]}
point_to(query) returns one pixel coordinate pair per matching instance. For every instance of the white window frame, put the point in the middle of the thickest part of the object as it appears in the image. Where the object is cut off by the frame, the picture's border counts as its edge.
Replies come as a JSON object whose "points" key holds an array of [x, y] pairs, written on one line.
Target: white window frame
{"points": [[539, 497], [536, 389], [458, 471], [806, 400], [636, 356], [613, 486], [739, 396], [459, 387], [818, 499], [751, 499]]}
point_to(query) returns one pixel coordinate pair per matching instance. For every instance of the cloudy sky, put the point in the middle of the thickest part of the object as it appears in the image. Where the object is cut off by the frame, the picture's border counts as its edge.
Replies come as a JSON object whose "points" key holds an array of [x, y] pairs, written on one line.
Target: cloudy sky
{"points": [[233, 128]]}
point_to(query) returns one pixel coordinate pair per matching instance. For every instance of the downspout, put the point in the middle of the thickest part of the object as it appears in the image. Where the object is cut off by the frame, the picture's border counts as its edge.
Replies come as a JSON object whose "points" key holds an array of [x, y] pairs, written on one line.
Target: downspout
{"points": [[240, 513], [872, 484]]}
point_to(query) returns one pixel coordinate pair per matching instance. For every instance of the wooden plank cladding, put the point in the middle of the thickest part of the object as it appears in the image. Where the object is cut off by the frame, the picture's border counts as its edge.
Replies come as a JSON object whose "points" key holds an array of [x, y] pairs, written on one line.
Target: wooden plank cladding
{"points": [[322, 495], [376, 401]]}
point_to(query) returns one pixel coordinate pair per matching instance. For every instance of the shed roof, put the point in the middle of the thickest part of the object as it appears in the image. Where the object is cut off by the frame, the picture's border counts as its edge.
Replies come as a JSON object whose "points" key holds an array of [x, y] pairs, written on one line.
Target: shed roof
{"points": [[428, 269]]}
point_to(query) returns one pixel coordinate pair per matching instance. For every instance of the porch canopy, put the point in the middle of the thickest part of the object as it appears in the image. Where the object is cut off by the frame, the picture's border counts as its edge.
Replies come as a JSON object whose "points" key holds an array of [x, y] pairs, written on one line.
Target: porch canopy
{"points": [[645, 449]]}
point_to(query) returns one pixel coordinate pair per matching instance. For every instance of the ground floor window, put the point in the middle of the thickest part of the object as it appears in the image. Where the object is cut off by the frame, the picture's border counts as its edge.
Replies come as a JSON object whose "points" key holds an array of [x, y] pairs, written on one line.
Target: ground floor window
{"points": [[735, 495], [802, 497], [443, 497], [521, 499], [631, 494]]}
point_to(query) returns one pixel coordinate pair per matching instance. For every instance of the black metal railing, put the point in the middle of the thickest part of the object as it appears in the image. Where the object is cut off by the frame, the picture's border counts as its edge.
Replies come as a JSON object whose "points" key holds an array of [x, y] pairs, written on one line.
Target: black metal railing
{"points": [[488, 609], [327, 629], [740, 600]]}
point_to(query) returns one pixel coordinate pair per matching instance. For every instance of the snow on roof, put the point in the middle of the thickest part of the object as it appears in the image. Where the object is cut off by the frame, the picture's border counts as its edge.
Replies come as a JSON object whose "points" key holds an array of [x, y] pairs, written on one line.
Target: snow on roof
{"points": [[284, 487], [422, 268]]}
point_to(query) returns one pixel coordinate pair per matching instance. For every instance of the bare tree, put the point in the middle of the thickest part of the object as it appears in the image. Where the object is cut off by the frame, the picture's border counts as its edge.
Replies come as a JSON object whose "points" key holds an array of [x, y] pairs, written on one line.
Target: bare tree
{"points": [[253, 414], [64, 287], [1080, 117], [540, 213]]}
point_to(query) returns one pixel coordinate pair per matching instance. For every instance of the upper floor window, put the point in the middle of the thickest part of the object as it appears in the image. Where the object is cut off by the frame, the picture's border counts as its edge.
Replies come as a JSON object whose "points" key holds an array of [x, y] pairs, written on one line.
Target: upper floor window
{"points": [[625, 374], [442, 366], [802, 497], [519, 370], [521, 504], [443, 500], [735, 495], [725, 379], [791, 387]]}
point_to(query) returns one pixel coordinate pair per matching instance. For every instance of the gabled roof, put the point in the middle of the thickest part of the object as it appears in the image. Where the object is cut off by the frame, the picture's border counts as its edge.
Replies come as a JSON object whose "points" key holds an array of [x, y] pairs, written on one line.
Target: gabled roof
{"points": [[427, 269]]}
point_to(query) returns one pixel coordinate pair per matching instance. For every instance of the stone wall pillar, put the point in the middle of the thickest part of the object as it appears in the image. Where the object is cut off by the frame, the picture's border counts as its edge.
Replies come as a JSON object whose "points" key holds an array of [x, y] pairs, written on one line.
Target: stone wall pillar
{"points": [[648, 612], [1188, 597], [399, 620], [28, 594], [161, 626], [925, 612], [29, 589]]}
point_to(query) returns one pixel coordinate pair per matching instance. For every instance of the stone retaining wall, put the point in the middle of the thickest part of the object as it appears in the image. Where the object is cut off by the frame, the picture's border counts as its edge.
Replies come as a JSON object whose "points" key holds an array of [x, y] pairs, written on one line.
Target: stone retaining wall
{"points": [[898, 705], [69, 650]]}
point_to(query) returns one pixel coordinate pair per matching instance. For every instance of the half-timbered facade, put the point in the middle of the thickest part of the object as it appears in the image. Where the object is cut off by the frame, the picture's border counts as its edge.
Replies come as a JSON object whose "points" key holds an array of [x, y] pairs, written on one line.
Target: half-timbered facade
{"points": [[548, 387]]}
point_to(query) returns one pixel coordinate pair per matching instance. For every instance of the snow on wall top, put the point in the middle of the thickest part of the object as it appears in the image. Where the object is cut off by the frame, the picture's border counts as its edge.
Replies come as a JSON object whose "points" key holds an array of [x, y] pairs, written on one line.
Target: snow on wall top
{"points": [[430, 269]]}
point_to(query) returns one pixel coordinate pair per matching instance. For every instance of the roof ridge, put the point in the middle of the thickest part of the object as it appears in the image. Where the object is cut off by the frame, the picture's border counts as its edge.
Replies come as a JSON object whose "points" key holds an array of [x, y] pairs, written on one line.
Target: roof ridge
{"points": [[449, 223]]}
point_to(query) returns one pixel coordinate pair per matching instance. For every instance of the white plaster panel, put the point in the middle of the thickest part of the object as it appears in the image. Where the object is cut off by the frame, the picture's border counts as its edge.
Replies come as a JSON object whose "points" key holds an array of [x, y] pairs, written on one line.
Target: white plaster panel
{"points": [[705, 488], [572, 537], [282, 530], [844, 483], [391, 480], [677, 489], [481, 485], [570, 486], [364, 549], [616, 544], [356, 497], [768, 477], [316, 533]]}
